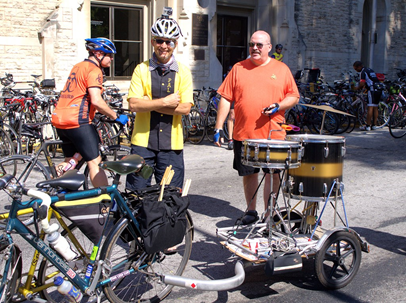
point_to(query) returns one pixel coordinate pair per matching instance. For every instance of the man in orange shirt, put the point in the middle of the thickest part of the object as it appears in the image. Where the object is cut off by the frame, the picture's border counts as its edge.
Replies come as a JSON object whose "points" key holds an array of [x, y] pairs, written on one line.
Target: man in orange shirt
{"points": [[260, 87], [77, 105]]}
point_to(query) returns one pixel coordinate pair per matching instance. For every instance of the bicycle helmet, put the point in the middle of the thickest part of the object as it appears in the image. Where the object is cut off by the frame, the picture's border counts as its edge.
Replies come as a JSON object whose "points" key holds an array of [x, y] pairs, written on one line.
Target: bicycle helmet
{"points": [[279, 46], [165, 27], [100, 44]]}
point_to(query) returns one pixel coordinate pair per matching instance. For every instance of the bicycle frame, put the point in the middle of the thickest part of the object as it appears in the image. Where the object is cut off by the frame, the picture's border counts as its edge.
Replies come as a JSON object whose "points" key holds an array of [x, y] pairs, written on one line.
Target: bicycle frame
{"points": [[84, 284]]}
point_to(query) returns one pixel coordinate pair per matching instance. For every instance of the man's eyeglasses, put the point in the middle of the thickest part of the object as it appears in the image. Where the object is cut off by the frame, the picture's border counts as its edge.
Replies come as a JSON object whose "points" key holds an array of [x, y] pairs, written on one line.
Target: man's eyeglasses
{"points": [[170, 43], [259, 45]]}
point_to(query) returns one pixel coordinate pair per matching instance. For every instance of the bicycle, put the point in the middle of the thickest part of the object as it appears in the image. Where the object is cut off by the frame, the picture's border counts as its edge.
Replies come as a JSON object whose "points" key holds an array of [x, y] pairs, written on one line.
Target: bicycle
{"points": [[22, 166], [397, 116], [123, 270]]}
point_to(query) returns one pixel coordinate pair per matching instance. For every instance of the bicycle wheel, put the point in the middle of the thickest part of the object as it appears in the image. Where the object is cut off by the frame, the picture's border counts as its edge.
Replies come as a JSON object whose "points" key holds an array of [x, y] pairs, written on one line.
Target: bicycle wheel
{"points": [[10, 290], [397, 123], [383, 114], [108, 135], [6, 144], [210, 123], [109, 153], [143, 285], [330, 125], [195, 126], [25, 170], [47, 271]]}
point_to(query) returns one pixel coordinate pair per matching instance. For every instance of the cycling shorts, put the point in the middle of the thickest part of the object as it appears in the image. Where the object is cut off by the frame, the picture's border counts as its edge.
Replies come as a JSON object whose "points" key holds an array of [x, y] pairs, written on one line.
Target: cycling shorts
{"points": [[84, 140]]}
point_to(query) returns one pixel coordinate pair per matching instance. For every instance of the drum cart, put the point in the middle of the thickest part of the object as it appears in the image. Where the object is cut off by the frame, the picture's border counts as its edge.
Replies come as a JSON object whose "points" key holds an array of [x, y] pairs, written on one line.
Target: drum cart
{"points": [[296, 231]]}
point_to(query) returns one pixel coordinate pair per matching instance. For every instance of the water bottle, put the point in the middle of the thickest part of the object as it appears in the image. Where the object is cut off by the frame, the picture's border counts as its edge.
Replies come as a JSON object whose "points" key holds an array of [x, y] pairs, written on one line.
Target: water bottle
{"points": [[72, 162], [61, 245], [66, 288]]}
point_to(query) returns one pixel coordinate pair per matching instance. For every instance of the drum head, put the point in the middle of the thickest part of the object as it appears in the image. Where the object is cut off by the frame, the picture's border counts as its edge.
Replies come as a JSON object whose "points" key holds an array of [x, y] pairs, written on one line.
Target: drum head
{"points": [[315, 138]]}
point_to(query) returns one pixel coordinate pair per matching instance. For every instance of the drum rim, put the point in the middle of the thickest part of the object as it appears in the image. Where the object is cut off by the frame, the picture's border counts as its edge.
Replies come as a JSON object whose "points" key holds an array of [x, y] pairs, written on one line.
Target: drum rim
{"points": [[275, 143], [316, 138]]}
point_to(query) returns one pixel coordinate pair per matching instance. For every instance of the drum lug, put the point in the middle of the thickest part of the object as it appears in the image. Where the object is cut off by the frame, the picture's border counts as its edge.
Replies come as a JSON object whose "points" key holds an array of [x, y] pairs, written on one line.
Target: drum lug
{"points": [[324, 188], [256, 157], [300, 187], [300, 153], [268, 154], [326, 152], [248, 152], [289, 159], [343, 151]]}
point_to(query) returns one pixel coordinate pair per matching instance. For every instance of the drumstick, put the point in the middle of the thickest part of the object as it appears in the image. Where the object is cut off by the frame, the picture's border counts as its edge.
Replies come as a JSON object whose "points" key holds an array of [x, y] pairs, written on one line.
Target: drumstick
{"points": [[185, 189], [166, 173], [170, 176]]}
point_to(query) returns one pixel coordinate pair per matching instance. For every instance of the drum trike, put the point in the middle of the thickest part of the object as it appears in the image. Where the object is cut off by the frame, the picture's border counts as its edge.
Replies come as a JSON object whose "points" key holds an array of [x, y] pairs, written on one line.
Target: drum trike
{"points": [[299, 227]]}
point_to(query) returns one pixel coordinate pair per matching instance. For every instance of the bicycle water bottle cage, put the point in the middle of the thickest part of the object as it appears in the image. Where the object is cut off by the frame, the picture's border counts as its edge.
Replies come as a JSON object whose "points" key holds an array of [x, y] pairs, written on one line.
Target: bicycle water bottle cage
{"points": [[71, 180]]}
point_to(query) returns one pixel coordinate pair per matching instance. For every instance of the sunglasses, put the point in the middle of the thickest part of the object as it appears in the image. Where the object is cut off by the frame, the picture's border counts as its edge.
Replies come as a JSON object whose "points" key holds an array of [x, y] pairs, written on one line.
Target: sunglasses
{"points": [[170, 43], [259, 45]]}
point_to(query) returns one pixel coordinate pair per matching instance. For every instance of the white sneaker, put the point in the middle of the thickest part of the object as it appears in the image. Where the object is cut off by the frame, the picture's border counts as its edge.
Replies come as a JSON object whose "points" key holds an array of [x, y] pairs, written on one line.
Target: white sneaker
{"points": [[364, 127], [374, 127]]}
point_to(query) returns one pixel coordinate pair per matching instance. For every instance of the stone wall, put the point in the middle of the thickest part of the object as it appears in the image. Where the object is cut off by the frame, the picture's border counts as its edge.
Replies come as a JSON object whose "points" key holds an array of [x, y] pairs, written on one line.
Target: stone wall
{"points": [[330, 39]]}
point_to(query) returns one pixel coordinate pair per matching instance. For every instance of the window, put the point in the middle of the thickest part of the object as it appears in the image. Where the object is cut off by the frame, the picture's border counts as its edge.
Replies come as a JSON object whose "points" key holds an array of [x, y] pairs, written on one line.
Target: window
{"points": [[231, 40], [123, 26]]}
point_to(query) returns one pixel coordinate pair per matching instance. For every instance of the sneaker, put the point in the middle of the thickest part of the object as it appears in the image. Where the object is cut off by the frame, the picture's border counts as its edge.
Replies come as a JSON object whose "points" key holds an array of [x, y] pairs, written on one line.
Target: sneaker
{"points": [[365, 127], [374, 127], [230, 145]]}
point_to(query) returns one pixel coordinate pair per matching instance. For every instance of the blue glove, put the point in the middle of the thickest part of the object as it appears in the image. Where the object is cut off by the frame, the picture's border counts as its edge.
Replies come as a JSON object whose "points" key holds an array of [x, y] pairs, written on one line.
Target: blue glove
{"points": [[273, 108], [218, 133], [123, 119]]}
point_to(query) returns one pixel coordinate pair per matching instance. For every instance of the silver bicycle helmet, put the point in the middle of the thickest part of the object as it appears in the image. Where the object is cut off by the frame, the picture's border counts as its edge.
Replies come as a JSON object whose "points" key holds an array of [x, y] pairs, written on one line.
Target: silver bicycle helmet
{"points": [[166, 27]]}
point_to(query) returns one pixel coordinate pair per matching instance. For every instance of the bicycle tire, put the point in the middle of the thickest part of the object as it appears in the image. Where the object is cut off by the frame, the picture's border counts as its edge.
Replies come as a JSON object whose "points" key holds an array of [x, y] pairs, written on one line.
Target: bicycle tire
{"points": [[25, 170], [397, 123], [330, 125], [195, 127], [14, 138], [110, 153], [6, 144], [210, 123], [47, 271], [143, 285], [10, 292]]}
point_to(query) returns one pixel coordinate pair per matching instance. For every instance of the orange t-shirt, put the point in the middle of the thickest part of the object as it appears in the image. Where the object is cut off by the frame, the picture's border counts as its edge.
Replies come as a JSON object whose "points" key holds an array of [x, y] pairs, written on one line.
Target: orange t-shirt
{"points": [[253, 88], [74, 107]]}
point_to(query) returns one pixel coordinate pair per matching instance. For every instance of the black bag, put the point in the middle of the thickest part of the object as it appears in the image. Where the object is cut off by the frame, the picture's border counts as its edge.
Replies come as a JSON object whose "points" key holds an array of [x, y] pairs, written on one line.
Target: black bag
{"points": [[163, 223], [48, 83], [89, 215]]}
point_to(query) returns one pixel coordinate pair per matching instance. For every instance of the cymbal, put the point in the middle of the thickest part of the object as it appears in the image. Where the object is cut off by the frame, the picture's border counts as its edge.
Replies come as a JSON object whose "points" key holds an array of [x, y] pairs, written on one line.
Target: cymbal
{"points": [[326, 108]]}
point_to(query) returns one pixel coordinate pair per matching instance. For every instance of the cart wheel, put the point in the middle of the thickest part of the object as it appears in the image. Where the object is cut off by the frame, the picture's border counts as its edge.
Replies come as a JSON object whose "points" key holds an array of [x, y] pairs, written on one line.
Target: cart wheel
{"points": [[335, 268]]}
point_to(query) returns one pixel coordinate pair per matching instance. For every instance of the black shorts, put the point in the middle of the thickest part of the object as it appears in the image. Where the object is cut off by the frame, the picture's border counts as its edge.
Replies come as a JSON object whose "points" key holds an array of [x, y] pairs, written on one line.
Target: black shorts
{"points": [[245, 170], [83, 140], [374, 96]]}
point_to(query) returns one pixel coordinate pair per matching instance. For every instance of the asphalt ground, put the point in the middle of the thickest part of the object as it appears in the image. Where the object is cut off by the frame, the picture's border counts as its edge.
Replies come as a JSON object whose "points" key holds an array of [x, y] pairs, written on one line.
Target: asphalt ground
{"points": [[374, 178]]}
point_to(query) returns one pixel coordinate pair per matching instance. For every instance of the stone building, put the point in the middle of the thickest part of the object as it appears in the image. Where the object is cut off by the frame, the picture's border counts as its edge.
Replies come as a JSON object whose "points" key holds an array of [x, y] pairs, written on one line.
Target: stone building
{"points": [[47, 36]]}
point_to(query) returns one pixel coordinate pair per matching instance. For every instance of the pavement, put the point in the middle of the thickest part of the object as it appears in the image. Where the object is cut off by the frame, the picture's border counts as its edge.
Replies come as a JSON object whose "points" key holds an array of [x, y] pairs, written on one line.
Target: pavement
{"points": [[374, 178]]}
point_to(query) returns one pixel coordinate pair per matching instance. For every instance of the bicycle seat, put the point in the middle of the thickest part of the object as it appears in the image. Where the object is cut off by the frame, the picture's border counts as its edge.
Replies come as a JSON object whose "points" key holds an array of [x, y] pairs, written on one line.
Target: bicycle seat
{"points": [[32, 130], [127, 165], [71, 180]]}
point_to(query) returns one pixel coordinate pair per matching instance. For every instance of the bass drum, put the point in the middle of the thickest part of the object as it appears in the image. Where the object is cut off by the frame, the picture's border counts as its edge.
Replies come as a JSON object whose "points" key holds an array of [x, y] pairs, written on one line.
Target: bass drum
{"points": [[322, 163]]}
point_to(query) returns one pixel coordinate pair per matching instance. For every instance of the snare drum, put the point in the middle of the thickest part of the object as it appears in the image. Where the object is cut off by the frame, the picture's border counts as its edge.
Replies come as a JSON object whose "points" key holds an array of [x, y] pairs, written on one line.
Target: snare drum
{"points": [[322, 163], [276, 154]]}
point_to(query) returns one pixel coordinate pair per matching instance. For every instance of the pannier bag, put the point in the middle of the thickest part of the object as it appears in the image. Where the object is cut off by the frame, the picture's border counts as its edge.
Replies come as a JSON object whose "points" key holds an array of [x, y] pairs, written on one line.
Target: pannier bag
{"points": [[162, 223], [89, 215]]}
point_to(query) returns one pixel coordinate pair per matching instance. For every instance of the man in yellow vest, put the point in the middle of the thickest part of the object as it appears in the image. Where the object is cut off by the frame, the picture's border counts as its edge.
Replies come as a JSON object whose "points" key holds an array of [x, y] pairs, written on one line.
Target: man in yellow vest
{"points": [[278, 52]]}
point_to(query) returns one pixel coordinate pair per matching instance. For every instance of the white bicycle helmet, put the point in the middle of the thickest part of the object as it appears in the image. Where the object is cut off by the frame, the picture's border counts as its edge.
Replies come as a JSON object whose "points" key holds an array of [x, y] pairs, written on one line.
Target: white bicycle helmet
{"points": [[165, 27]]}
